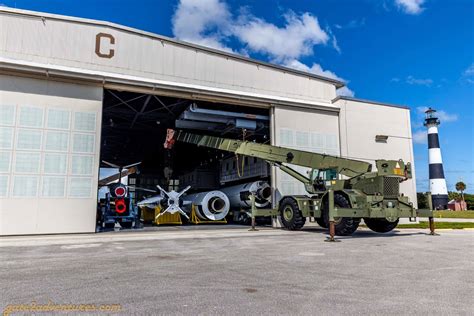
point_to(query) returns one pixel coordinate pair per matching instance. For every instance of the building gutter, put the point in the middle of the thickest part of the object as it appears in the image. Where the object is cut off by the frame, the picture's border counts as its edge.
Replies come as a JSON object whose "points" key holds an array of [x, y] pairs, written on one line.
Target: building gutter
{"points": [[345, 98]]}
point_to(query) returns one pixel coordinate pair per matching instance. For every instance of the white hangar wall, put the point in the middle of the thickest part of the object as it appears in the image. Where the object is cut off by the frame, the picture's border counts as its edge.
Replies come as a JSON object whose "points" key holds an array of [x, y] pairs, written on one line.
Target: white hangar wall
{"points": [[360, 121], [96, 47], [49, 156], [348, 133]]}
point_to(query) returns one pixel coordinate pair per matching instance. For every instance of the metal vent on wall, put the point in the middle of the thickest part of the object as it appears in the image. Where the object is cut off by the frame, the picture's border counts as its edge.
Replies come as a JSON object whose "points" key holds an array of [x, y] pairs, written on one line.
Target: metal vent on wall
{"points": [[381, 138]]}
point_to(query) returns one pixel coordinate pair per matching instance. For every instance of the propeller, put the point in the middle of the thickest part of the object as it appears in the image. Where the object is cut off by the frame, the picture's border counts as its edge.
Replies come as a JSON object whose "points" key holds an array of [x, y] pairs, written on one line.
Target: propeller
{"points": [[120, 168], [132, 165]]}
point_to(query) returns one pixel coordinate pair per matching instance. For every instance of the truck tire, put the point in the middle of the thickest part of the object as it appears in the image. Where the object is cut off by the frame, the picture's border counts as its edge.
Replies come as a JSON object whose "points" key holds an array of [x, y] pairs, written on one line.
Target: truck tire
{"points": [[380, 225], [321, 222], [345, 226], [291, 216], [126, 224]]}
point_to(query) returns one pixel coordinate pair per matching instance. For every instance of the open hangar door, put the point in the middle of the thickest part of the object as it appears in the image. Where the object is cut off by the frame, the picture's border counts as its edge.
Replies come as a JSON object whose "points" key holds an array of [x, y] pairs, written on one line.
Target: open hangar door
{"points": [[134, 129]]}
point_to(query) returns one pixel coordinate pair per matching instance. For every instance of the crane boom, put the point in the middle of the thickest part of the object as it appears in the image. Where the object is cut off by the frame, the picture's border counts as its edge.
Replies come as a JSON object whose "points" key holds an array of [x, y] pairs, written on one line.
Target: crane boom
{"points": [[373, 196], [277, 155]]}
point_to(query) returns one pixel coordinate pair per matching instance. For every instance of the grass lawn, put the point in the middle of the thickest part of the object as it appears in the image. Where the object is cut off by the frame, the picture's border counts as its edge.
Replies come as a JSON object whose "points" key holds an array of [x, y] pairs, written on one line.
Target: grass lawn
{"points": [[454, 214], [439, 225]]}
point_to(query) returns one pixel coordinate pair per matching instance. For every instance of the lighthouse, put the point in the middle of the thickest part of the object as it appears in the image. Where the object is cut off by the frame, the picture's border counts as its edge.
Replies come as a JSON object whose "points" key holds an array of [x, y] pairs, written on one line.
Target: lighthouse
{"points": [[439, 191]]}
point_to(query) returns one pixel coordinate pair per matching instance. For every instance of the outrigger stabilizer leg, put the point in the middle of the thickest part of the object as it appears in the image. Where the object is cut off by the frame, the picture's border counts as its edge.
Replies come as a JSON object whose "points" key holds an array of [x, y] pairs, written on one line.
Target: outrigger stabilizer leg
{"points": [[431, 219], [252, 200], [332, 225], [432, 227]]}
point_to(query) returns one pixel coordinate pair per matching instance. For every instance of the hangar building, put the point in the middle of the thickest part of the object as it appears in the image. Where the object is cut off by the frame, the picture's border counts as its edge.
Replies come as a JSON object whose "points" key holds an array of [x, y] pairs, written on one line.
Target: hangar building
{"points": [[74, 92]]}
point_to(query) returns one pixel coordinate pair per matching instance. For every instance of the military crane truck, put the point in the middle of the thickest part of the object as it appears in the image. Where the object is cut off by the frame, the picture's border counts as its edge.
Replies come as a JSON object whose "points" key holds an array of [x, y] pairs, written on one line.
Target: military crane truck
{"points": [[340, 191]]}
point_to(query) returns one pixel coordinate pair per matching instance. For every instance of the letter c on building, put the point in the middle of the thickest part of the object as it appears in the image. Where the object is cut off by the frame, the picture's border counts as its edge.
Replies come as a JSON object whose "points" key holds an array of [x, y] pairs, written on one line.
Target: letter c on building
{"points": [[98, 39]]}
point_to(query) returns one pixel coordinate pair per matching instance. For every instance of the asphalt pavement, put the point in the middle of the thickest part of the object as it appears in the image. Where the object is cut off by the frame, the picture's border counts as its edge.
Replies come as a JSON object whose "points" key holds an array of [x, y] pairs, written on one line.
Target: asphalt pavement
{"points": [[237, 272]]}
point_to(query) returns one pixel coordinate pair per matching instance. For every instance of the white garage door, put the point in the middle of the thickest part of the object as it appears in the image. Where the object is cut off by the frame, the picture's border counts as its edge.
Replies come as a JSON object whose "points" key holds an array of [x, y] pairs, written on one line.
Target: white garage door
{"points": [[49, 156], [314, 131]]}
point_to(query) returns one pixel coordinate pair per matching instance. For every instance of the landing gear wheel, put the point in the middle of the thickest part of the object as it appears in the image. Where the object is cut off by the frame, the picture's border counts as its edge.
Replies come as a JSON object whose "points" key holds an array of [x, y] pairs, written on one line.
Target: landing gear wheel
{"points": [[109, 225], [345, 226], [126, 224], [291, 216], [380, 225], [321, 222]]}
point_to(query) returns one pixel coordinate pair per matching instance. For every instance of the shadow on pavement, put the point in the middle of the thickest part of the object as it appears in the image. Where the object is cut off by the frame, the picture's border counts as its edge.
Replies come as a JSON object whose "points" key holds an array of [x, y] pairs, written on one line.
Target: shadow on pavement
{"points": [[361, 233], [367, 233]]}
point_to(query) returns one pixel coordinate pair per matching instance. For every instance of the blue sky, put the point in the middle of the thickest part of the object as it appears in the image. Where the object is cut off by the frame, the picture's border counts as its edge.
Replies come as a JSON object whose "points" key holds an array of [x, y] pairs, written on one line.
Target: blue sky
{"points": [[417, 53]]}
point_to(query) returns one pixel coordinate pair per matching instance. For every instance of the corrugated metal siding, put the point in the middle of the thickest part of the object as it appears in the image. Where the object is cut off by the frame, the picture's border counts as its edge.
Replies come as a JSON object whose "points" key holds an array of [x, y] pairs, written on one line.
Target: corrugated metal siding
{"points": [[72, 44]]}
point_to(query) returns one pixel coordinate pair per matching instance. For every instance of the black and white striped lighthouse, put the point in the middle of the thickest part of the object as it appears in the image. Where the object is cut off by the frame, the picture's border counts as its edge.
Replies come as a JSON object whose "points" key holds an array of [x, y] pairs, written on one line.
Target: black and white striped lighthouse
{"points": [[439, 191]]}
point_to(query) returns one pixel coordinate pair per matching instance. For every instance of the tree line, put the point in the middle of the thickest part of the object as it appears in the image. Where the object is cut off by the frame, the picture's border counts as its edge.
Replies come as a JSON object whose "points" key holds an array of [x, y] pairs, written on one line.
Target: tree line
{"points": [[460, 186]]}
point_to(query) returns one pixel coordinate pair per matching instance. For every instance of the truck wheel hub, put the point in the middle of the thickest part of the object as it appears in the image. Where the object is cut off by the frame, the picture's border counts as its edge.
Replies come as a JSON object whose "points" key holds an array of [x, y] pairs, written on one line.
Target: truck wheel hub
{"points": [[288, 213]]}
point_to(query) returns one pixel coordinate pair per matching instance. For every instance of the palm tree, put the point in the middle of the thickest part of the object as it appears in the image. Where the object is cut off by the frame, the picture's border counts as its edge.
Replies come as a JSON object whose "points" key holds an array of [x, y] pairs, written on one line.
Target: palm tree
{"points": [[461, 186]]}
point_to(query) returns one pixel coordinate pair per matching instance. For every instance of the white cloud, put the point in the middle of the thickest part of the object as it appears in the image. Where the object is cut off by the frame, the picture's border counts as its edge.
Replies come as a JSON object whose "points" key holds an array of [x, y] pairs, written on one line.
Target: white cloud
{"points": [[446, 117], [351, 24], [442, 115], [315, 69], [411, 6], [470, 70], [203, 22], [420, 137], [334, 43], [211, 23], [318, 70], [469, 74], [293, 40], [345, 91], [421, 82]]}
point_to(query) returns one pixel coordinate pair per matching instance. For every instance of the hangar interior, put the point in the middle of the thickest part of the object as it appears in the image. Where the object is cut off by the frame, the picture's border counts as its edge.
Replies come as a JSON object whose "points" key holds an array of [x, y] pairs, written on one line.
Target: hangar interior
{"points": [[134, 127]]}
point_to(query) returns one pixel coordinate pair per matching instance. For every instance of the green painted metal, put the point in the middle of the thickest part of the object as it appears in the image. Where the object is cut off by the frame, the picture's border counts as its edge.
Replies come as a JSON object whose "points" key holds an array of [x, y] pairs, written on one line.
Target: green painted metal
{"points": [[292, 172], [430, 201], [371, 194], [332, 210], [393, 168], [278, 155], [287, 213], [260, 211]]}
